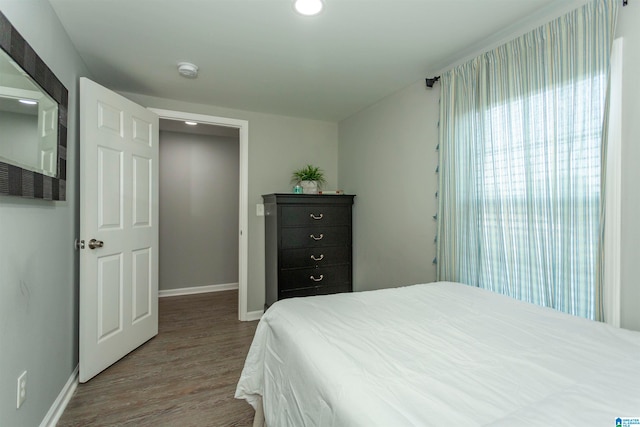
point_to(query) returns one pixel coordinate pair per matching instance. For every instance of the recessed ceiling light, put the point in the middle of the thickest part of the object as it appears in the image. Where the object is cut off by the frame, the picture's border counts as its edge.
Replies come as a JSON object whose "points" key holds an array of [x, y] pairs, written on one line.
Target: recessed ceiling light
{"points": [[308, 7], [29, 101], [191, 123]]}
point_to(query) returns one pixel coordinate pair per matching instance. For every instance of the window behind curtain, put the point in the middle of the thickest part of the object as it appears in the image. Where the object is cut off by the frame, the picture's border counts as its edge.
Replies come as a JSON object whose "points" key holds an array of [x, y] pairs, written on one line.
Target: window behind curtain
{"points": [[520, 149], [528, 182]]}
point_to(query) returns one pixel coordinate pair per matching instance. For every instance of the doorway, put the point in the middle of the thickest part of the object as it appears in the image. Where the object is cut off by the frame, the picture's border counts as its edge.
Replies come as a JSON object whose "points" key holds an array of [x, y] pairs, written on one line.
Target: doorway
{"points": [[225, 126], [199, 212]]}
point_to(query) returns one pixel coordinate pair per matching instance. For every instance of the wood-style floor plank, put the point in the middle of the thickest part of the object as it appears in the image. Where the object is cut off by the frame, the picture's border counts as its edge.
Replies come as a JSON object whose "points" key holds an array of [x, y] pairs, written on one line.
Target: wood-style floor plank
{"points": [[185, 376]]}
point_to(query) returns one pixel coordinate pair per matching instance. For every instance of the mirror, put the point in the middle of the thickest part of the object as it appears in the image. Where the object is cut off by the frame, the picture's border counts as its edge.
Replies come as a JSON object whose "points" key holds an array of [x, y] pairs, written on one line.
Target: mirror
{"points": [[28, 121], [33, 116]]}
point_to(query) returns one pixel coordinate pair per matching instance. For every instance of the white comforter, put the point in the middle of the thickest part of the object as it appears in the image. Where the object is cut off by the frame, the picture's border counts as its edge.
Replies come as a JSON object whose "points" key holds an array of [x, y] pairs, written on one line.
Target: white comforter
{"points": [[441, 354]]}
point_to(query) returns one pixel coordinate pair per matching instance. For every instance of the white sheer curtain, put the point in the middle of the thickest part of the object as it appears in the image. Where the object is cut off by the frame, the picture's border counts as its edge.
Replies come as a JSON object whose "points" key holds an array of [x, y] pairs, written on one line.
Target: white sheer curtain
{"points": [[521, 134]]}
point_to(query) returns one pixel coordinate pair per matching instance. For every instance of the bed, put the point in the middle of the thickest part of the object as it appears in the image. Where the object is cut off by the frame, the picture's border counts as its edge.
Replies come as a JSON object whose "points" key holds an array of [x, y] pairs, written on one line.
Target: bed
{"points": [[437, 354]]}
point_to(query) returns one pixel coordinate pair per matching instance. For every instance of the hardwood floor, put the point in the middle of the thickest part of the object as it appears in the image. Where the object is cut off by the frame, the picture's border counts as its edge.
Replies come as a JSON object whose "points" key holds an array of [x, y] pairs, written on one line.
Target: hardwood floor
{"points": [[185, 376]]}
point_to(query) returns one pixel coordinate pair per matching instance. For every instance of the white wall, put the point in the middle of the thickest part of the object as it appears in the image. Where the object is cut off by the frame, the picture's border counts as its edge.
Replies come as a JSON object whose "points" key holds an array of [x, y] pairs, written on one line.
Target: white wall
{"points": [[199, 182], [629, 29], [387, 158], [38, 264], [277, 146]]}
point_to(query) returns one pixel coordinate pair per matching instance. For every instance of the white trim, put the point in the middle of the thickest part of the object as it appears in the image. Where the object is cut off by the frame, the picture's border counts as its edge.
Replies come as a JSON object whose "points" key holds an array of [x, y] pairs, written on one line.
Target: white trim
{"points": [[197, 290], [243, 220], [254, 315], [61, 402], [613, 192]]}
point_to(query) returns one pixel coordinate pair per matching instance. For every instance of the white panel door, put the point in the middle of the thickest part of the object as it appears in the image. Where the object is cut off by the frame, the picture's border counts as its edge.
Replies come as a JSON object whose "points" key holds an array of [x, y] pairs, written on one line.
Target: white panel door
{"points": [[119, 226]]}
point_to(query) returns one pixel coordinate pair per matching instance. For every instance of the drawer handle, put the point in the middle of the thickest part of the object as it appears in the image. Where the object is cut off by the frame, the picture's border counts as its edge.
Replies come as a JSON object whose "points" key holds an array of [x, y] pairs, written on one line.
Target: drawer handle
{"points": [[318, 279], [316, 217], [313, 236], [313, 257]]}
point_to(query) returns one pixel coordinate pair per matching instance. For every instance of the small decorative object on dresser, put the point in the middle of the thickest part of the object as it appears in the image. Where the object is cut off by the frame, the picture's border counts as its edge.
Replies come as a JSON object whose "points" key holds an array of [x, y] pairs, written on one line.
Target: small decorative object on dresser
{"points": [[310, 178], [307, 245]]}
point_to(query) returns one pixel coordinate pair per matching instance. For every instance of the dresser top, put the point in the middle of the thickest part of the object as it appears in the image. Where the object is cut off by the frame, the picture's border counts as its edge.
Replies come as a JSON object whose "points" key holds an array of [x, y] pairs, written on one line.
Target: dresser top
{"points": [[308, 198]]}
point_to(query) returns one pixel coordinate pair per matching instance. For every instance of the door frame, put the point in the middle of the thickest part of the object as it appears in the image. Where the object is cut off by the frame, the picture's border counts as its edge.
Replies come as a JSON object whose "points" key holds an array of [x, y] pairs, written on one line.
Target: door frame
{"points": [[243, 220]]}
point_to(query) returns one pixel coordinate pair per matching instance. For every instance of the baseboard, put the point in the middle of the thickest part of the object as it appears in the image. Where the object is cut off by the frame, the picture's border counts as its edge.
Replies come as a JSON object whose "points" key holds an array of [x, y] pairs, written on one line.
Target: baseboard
{"points": [[61, 402], [197, 290], [254, 315]]}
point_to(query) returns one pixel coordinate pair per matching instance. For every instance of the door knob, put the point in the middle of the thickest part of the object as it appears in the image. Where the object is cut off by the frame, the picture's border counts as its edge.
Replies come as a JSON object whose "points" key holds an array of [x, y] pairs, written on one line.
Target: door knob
{"points": [[93, 243]]}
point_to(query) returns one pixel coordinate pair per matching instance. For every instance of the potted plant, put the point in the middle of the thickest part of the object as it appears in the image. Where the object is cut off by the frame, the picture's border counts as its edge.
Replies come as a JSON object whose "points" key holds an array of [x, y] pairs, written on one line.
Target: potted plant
{"points": [[310, 178]]}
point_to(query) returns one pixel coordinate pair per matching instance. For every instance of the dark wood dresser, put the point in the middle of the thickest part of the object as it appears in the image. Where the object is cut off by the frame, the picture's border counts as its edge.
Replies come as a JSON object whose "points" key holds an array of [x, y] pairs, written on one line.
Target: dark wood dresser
{"points": [[307, 245]]}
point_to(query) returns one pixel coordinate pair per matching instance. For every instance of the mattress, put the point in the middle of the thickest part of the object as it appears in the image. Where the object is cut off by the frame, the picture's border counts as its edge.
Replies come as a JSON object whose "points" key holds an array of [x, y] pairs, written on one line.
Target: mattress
{"points": [[437, 354]]}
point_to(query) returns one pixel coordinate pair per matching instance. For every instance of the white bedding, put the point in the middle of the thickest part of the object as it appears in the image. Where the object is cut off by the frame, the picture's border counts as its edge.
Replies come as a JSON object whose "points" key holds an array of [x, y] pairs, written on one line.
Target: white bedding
{"points": [[434, 355]]}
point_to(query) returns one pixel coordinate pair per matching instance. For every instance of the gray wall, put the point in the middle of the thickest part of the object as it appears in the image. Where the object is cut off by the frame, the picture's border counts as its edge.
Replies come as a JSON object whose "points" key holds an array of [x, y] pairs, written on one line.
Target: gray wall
{"points": [[387, 157], [198, 210], [277, 146], [629, 29], [38, 265]]}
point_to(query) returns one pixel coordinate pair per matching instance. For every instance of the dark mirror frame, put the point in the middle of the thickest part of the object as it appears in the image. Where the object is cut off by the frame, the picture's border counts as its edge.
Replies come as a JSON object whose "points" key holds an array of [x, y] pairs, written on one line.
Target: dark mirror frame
{"points": [[14, 180]]}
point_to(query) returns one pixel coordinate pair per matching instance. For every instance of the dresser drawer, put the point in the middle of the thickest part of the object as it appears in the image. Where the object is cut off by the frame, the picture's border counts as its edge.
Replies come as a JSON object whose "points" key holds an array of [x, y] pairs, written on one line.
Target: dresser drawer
{"points": [[311, 257], [339, 275], [315, 215], [314, 290], [314, 237]]}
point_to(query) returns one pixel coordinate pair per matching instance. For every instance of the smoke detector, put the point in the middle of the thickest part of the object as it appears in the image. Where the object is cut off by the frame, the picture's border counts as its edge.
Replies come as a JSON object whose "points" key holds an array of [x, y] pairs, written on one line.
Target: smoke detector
{"points": [[188, 70]]}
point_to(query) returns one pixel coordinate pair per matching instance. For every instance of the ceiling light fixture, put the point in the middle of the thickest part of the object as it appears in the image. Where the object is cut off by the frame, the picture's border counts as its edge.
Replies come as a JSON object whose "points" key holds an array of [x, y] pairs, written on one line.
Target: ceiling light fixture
{"points": [[191, 123], [308, 7], [28, 101], [188, 70]]}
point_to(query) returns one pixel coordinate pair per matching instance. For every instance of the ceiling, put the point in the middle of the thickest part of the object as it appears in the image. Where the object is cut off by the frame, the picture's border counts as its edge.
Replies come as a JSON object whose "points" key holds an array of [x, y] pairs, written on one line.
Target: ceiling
{"points": [[259, 55]]}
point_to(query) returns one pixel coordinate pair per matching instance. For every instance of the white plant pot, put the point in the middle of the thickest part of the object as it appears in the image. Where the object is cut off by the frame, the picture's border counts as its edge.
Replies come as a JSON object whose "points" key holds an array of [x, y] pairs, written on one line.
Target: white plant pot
{"points": [[309, 187]]}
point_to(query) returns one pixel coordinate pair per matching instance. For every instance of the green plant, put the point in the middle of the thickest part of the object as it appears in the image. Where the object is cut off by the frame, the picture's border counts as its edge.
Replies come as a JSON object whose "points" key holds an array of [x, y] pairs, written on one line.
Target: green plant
{"points": [[308, 173]]}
